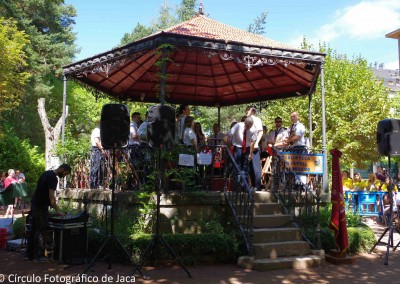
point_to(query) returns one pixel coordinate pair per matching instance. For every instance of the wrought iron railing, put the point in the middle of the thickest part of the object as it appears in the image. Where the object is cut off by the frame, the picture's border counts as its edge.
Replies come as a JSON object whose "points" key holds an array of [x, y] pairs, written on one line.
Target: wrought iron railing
{"points": [[300, 196], [220, 173]]}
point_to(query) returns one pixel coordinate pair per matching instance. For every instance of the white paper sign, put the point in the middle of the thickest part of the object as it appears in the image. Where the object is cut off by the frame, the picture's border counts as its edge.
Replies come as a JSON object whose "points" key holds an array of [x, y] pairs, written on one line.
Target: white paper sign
{"points": [[204, 159], [186, 160]]}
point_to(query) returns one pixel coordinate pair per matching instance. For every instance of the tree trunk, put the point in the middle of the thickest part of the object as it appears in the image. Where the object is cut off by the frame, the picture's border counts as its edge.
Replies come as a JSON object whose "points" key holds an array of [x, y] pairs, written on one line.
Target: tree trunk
{"points": [[52, 135]]}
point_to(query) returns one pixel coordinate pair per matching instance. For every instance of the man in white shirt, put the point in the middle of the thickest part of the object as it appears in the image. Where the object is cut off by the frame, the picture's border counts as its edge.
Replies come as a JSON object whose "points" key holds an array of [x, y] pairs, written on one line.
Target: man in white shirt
{"points": [[296, 132], [277, 136], [255, 165], [97, 160], [217, 138], [243, 138], [183, 112], [134, 142]]}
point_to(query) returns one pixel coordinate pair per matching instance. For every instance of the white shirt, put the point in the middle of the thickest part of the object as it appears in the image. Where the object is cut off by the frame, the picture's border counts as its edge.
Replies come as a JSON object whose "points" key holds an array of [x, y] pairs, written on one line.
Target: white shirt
{"points": [[299, 129], [236, 133], [95, 134], [278, 136], [133, 131], [188, 136], [142, 132], [257, 127]]}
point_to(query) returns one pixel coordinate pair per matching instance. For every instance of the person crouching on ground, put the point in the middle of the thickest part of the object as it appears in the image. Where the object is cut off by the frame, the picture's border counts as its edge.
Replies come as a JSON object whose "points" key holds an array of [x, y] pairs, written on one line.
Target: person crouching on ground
{"points": [[43, 197]]}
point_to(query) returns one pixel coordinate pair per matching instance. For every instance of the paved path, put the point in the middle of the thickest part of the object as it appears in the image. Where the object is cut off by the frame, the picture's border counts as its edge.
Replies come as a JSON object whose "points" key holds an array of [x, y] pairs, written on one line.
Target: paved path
{"points": [[368, 268]]}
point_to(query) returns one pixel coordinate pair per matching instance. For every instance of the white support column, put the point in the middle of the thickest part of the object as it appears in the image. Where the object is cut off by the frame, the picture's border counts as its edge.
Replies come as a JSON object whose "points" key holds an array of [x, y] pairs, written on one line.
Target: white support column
{"points": [[325, 183], [64, 110], [310, 119]]}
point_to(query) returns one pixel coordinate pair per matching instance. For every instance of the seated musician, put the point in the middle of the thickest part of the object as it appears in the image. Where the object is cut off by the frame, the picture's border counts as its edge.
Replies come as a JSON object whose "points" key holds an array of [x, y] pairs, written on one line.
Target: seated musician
{"points": [[43, 197]]}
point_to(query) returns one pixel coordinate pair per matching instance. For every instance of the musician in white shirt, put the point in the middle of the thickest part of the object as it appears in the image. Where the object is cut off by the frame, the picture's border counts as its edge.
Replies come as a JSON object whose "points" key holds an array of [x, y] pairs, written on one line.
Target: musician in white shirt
{"points": [[277, 136]]}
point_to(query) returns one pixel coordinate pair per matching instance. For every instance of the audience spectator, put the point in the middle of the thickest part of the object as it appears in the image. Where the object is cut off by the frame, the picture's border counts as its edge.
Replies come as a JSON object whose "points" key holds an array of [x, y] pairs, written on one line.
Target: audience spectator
{"points": [[10, 178], [380, 175], [2, 178], [358, 183], [373, 184], [347, 182], [19, 176], [386, 184]]}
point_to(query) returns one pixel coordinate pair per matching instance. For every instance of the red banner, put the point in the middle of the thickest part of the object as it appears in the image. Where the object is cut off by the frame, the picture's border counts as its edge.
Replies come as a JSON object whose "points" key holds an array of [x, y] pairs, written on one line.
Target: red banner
{"points": [[338, 218]]}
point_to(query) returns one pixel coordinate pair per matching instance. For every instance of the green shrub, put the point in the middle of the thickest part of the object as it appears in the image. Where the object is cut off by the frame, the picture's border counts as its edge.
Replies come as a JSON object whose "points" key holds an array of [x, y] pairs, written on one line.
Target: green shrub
{"points": [[18, 228]]}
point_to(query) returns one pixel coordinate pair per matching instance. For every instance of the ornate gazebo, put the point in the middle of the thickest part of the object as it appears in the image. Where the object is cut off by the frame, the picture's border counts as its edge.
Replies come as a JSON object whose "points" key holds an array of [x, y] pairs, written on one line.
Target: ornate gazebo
{"points": [[207, 63]]}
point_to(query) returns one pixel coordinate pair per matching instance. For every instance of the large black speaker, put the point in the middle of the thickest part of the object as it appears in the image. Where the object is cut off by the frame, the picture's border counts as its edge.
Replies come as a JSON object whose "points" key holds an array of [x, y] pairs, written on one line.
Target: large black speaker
{"points": [[161, 126], [71, 243], [388, 137], [114, 126]]}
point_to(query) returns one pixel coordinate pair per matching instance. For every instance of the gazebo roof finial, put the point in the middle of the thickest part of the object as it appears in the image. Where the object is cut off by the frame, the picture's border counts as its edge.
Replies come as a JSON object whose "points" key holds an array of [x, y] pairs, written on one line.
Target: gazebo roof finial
{"points": [[201, 8]]}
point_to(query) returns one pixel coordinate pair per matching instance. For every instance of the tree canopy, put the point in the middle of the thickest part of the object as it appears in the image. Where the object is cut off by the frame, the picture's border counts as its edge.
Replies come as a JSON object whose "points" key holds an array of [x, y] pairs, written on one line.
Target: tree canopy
{"points": [[12, 64]]}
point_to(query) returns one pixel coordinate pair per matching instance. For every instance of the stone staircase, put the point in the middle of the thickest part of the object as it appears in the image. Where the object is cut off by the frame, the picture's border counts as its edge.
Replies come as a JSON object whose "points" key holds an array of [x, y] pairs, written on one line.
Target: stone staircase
{"points": [[277, 244]]}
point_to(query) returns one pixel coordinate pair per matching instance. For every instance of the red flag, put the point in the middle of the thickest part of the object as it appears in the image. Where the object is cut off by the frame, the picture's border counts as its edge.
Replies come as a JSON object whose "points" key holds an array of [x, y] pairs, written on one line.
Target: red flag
{"points": [[338, 218]]}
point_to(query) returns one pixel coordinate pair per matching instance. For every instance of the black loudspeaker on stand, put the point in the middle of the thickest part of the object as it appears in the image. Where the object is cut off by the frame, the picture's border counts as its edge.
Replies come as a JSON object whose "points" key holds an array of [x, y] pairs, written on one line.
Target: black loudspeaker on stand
{"points": [[161, 120], [388, 140], [114, 133]]}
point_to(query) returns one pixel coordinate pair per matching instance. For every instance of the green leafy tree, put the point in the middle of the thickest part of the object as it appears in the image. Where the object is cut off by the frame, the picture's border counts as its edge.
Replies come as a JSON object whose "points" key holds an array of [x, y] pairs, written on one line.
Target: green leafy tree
{"points": [[12, 64], [258, 27], [186, 10], [49, 27]]}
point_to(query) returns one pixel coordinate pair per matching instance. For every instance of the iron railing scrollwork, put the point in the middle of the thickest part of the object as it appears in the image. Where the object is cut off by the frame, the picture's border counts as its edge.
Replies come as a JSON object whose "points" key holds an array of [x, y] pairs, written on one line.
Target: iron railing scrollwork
{"points": [[300, 196]]}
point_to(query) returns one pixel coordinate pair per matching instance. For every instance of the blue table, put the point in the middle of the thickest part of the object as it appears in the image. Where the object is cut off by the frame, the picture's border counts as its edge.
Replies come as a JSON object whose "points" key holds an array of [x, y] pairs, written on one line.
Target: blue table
{"points": [[365, 203]]}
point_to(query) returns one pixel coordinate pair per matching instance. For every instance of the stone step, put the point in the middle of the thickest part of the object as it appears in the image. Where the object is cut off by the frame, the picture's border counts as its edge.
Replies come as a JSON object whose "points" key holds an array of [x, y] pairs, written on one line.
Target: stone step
{"points": [[280, 249], [267, 208], [270, 235], [293, 262], [264, 197], [271, 221]]}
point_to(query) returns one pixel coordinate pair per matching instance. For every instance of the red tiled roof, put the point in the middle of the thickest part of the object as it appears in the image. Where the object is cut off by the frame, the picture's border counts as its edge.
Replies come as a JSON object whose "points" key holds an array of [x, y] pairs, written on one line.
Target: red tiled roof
{"points": [[204, 27]]}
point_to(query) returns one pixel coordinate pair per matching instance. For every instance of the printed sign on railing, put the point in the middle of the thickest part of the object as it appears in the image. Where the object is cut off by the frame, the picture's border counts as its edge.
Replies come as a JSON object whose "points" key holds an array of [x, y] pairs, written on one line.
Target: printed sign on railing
{"points": [[304, 163]]}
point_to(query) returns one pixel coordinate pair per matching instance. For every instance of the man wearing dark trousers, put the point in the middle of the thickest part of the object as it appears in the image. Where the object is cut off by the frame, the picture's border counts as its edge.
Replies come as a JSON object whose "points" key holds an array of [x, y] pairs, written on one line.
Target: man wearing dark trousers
{"points": [[43, 197], [255, 164]]}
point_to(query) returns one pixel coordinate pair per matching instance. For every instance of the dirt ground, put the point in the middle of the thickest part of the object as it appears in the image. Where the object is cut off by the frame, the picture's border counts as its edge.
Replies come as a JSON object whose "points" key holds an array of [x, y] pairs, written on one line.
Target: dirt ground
{"points": [[368, 268]]}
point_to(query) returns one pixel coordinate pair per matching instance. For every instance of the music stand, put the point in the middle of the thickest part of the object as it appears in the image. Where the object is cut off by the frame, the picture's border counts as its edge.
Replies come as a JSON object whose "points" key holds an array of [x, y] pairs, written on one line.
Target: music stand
{"points": [[389, 224], [153, 246], [112, 238]]}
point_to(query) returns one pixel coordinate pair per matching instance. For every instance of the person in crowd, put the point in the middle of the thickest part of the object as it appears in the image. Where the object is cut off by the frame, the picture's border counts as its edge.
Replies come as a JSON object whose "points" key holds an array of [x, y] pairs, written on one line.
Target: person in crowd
{"points": [[97, 160], [278, 136], [183, 112], [189, 136], [397, 180], [347, 182], [358, 183], [296, 132], [264, 140], [243, 118], [142, 130], [373, 184], [380, 175], [243, 138], [2, 178], [201, 137], [9, 180], [43, 197], [255, 163], [385, 173], [134, 141], [217, 137], [387, 183], [19, 176]]}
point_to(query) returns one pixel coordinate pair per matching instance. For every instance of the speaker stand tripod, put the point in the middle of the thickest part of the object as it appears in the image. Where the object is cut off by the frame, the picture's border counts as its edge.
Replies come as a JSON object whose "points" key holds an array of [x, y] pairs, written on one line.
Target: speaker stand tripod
{"points": [[157, 238], [111, 240], [390, 226]]}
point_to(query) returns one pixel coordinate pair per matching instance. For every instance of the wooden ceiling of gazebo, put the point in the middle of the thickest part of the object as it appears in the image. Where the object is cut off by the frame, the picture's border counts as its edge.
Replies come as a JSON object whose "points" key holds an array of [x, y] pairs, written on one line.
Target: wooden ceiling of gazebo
{"points": [[209, 64]]}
